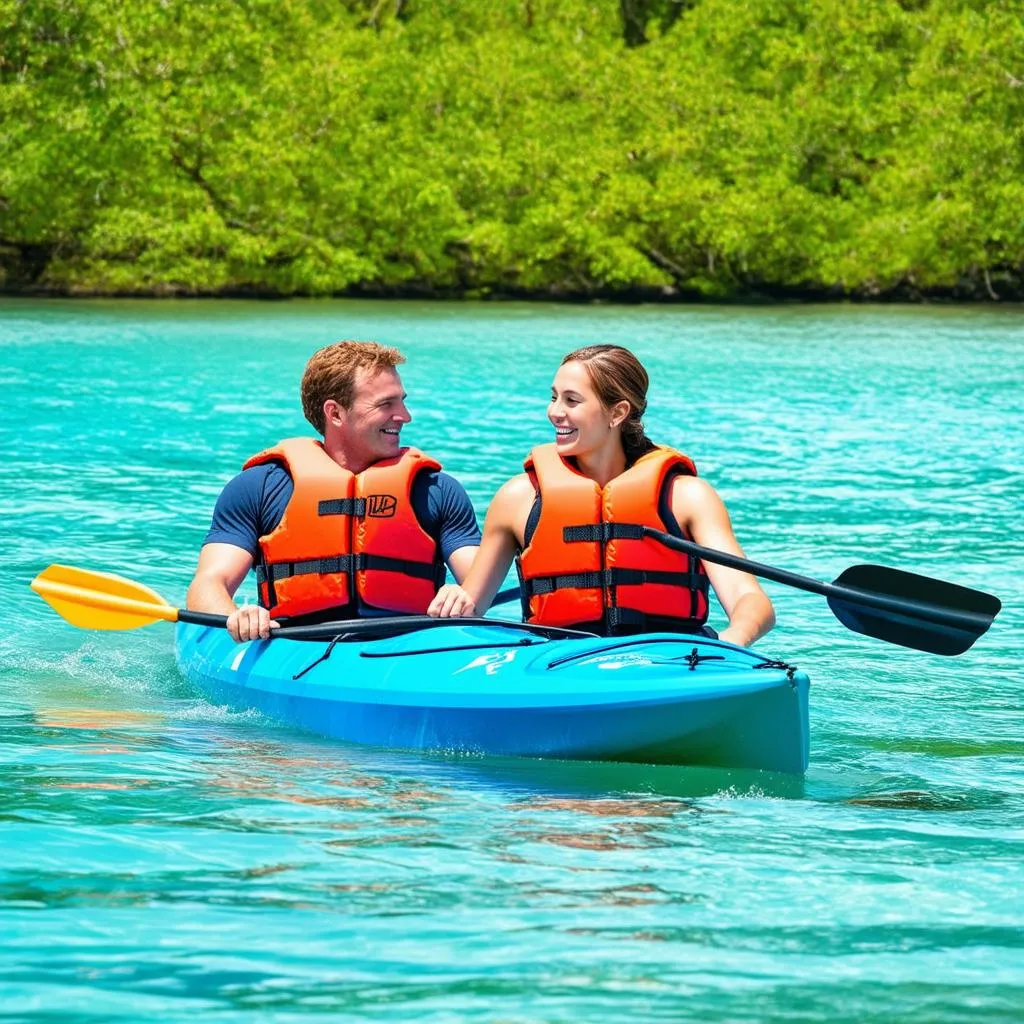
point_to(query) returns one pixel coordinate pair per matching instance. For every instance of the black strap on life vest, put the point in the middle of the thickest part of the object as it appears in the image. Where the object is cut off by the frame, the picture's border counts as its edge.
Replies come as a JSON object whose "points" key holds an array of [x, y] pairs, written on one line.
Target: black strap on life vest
{"points": [[344, 563], [273, 571], [617, 620], [610, 578], [602, 532], [342, 507], [419, 570], [625, 620]]}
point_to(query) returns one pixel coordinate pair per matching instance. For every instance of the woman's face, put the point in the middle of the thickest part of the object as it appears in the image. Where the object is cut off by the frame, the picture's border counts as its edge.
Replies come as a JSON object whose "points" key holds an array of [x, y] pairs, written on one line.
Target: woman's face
{"points": [[581, 422]]}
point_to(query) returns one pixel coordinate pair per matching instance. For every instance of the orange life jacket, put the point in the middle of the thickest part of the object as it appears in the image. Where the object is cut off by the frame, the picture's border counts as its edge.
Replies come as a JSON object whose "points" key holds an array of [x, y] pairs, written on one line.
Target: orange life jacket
{"points": [[584, 564], [347, 539]]}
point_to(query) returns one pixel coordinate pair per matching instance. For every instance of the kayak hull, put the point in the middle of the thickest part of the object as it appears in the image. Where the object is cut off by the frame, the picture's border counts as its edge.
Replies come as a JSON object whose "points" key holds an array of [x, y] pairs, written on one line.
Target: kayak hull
{"points": [[657, 699]]}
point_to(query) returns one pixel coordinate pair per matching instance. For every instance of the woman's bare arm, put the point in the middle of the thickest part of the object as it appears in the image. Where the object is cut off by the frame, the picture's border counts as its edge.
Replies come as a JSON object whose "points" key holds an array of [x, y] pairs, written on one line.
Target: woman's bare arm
{"points": [[703, 515], [502, 537]]}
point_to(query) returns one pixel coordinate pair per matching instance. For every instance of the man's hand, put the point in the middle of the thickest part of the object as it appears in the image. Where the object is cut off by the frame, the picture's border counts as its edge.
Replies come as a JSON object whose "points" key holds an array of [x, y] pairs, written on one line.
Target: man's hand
{"points": [[250, 622], [221, 569], [451, 601]]}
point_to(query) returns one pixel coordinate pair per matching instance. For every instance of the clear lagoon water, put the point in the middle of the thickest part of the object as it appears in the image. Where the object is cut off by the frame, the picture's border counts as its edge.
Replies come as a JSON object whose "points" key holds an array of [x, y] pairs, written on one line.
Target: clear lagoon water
{"points": [[161, 857]]}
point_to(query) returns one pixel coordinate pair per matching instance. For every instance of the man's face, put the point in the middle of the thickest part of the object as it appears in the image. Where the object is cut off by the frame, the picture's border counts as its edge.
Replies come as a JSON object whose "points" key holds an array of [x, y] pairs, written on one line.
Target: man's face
{"points": [[370, 429]]}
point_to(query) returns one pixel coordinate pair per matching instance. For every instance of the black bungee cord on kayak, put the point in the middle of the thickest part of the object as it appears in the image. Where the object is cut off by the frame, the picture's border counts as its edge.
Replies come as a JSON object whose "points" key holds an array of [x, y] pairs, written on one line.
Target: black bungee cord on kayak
{"points": [[323, 657], [547, 633], [790, 670], [694, 658]]}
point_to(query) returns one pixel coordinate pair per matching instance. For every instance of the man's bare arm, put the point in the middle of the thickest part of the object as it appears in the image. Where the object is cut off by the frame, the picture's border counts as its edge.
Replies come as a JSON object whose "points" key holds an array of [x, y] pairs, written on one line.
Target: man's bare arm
{"points": [[219, 574]]}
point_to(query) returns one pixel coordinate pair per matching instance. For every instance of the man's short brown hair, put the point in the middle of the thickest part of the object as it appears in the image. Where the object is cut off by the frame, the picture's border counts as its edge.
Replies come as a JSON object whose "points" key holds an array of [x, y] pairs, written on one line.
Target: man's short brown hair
{"points": [[331, 373]]}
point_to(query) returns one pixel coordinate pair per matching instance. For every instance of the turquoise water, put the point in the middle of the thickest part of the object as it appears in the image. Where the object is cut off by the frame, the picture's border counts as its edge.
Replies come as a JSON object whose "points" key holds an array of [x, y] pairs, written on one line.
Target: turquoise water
{"points": [[165, 857]]}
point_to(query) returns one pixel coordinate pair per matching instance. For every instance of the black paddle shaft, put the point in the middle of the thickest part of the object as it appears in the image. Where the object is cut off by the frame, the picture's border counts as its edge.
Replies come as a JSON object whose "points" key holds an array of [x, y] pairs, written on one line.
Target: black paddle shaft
{"points": [[202, 618], [396, 625], [384, 626], [957, 607]]}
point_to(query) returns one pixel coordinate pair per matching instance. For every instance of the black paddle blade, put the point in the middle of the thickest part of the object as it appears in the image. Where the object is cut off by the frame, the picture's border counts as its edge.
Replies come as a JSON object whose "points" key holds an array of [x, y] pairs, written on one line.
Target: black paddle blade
{"points": [[910, 610]]}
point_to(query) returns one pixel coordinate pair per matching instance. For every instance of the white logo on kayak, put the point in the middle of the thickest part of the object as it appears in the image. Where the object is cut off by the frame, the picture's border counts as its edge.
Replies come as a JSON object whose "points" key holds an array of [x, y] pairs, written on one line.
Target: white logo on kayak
{"points": [[490, 663], [627, 660]]}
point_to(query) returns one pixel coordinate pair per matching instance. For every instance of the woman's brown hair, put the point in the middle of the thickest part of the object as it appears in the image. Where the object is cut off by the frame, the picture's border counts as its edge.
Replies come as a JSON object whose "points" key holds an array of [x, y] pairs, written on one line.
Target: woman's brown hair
{"points": [[618, 376]]}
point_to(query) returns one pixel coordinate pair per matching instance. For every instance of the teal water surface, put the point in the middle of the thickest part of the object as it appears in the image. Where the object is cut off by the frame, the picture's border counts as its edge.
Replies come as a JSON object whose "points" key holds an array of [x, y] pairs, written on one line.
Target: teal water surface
{"points": [[163, 857]]}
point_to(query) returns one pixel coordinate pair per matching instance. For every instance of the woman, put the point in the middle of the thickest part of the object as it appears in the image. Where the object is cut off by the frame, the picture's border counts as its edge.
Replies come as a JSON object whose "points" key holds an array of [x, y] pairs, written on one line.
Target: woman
{"points": [[572, 521]]}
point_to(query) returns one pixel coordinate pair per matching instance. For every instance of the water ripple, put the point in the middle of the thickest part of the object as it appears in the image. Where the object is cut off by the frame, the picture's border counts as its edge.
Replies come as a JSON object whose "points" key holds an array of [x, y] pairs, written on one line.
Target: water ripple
{"points": [[165, 857]]}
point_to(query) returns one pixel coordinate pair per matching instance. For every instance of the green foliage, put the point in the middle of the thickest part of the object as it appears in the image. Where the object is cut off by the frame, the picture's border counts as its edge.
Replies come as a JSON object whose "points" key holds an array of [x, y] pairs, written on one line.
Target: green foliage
{"points": [[558, 147]]}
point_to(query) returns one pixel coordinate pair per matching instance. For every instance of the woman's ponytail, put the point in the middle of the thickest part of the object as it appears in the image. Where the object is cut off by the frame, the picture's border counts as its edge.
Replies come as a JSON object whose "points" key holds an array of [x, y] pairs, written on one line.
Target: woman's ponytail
{"points": [[635, 441]]}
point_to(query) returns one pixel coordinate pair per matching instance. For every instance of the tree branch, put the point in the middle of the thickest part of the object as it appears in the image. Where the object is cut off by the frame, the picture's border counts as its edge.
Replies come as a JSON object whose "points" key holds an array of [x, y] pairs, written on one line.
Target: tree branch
{"points": [[661, 260], [988, 285], [194, 174]]}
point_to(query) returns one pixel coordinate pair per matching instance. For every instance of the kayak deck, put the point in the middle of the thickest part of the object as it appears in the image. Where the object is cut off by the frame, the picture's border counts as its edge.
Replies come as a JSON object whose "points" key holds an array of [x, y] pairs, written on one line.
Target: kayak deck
{"points": [[497, 689]]}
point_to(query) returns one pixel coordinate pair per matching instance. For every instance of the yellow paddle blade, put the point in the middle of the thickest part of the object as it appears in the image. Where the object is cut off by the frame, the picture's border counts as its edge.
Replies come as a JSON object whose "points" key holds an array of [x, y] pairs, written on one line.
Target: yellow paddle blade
{"points": [[100, 600]]}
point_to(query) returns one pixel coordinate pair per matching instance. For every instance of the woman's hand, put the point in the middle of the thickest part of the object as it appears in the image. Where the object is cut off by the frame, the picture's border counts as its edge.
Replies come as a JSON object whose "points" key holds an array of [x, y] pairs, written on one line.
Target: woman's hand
{"points": [[451, 601], [497, 550]]}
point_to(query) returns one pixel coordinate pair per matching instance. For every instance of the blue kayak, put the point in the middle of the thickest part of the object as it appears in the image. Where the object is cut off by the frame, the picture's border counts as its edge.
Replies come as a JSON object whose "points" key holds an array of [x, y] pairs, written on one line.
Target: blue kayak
{"points": [[501, 688]]}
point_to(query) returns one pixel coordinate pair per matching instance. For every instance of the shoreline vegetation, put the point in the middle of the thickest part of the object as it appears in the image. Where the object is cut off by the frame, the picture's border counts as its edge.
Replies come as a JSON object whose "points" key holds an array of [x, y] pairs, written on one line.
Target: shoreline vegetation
{"points": [[639, 150]]}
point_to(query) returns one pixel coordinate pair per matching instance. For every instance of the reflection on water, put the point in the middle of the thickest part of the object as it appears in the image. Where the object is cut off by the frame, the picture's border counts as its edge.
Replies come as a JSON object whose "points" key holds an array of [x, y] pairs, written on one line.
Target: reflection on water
{"points": [[98, 719], [637, 808], [929, 800]]}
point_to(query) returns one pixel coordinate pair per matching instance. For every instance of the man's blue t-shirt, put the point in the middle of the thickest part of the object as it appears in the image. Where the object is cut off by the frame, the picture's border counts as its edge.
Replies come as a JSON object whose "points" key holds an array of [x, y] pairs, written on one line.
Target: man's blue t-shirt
{"points": [[252, 504]]}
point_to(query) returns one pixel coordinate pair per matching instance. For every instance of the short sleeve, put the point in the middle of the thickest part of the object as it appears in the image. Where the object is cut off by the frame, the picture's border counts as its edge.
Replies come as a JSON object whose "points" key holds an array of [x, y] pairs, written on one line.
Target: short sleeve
{"points": [[443, 507], [250, 506]]}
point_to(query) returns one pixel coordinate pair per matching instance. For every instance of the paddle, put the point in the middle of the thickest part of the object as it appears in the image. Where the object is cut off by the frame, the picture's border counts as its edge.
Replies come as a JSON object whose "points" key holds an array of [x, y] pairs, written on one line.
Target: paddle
{"points": [[889, 604], [507, 596], [101, 600]]}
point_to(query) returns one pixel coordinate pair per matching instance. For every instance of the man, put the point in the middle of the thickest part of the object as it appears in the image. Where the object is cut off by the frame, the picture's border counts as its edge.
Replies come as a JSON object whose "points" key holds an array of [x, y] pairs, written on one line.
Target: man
{"points": [[353, 525]]}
